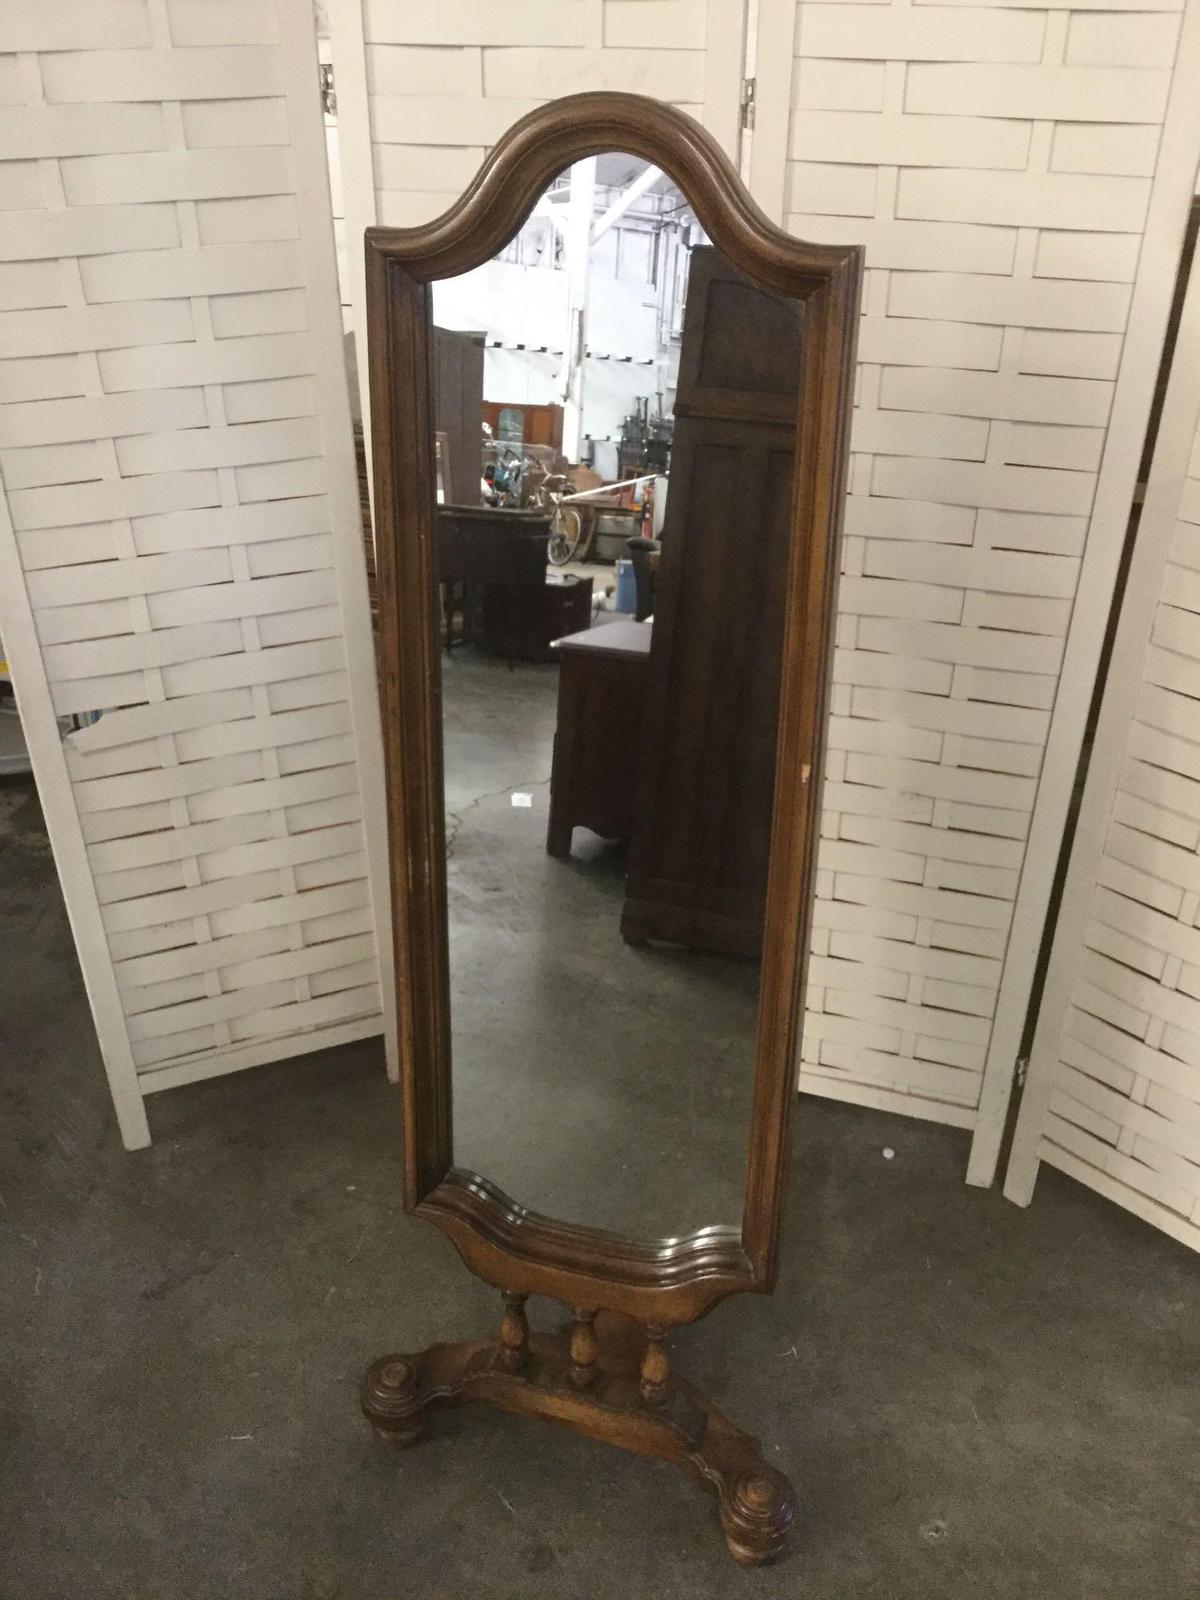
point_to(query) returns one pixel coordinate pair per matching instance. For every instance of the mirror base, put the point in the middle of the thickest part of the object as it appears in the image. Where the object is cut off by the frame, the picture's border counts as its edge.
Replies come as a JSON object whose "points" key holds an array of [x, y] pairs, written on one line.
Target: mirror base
{"points": [[757, 1504]]}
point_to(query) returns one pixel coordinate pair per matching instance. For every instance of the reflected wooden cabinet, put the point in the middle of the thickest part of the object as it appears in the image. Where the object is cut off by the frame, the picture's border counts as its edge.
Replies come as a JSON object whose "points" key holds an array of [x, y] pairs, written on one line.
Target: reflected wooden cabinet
{"points": [[598, 733], [748, 606], [698, 864]]}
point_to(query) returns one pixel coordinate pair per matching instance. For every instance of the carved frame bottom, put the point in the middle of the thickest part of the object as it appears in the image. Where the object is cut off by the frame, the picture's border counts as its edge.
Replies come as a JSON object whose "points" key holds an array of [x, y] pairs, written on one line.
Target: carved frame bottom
{"points": [[756, 1503]]}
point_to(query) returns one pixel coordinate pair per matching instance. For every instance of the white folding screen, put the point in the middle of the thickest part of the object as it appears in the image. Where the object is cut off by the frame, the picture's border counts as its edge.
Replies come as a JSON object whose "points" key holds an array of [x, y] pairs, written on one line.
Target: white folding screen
{"points": [[1113, 1092], [179, 540], [1019, 177]]}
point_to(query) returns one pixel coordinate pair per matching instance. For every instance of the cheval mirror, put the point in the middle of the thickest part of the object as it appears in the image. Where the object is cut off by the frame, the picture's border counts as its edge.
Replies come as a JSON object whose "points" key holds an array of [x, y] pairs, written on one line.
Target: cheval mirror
{"points": [[603, 793]]}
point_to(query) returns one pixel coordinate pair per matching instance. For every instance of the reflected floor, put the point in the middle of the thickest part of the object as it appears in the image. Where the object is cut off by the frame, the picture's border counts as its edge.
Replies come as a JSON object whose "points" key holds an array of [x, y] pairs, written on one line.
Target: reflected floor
{"points": [[565, 1037]]}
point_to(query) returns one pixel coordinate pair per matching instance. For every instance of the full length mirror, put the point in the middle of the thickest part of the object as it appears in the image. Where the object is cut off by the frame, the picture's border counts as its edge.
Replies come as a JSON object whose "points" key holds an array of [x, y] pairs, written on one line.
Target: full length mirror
{"points": [[609, 409], [614, 425]]}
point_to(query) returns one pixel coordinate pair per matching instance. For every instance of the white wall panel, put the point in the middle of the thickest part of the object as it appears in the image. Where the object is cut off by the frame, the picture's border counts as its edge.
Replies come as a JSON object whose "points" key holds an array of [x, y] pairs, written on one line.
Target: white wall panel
{"points": [[1113, 1093], [179, 545], [1020, 185]]}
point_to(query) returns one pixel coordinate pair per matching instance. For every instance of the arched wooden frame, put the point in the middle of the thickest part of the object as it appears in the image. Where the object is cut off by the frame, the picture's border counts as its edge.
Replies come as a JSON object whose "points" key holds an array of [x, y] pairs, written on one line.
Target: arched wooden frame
{"points": [[670, 1281]]}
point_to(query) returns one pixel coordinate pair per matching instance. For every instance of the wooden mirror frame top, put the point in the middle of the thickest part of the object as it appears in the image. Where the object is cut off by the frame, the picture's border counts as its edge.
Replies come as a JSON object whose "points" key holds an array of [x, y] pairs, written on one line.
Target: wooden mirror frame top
{"points": [[669, 1281]]}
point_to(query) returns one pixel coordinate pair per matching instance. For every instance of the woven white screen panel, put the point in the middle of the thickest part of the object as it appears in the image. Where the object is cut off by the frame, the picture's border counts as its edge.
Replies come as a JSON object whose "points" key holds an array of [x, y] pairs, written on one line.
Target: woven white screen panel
{"points": [[168, 449], [1000, 165], [445, 81], [1114, 1087]]}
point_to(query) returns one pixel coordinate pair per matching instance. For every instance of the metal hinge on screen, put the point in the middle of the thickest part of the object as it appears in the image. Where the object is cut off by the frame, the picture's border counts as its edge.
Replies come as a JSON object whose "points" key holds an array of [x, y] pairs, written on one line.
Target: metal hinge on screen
{"points": [[748, 87], [328, 92]]}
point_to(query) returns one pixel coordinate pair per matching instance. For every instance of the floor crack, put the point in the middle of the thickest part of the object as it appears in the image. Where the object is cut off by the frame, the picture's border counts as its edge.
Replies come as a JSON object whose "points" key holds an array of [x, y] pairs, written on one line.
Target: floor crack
{"points": [[456, 817]]}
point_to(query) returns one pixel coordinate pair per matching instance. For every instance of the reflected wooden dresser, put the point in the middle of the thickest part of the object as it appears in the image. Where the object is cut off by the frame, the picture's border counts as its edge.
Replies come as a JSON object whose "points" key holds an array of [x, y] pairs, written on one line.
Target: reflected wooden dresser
{"points": [[601, 695]]}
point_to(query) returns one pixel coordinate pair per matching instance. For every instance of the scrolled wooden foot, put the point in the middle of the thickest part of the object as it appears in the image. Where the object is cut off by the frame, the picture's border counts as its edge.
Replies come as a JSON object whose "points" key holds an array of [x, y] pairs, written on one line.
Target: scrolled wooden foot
{"points": [[390, 1401], [758, 1508]]}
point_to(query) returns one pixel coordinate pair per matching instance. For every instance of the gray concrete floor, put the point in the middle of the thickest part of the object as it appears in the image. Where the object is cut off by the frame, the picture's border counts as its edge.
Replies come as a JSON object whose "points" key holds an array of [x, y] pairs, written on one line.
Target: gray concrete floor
{"points": [[973, 1401], [551, 1010]]}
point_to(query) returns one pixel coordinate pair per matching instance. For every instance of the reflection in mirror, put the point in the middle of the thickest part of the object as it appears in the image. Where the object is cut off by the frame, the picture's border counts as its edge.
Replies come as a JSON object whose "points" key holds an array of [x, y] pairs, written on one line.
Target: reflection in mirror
{"points": [[615, 416]]}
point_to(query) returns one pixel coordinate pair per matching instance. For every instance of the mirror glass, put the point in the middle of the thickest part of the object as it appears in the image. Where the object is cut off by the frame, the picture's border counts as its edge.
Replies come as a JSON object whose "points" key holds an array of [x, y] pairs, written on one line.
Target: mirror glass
{"points": [[615, 417]]}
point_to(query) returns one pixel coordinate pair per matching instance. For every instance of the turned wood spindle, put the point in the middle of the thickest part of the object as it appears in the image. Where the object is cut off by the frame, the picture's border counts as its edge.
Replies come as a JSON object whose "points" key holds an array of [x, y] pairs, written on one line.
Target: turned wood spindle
{"points": [[514, 1332], [655, 1367], [583, 1348]]}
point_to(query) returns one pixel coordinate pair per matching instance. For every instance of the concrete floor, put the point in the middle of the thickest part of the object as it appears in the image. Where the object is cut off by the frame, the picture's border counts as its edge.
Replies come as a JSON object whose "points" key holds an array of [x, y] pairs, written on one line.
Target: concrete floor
{"points": [[551, 1009], [973, 1401]]}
